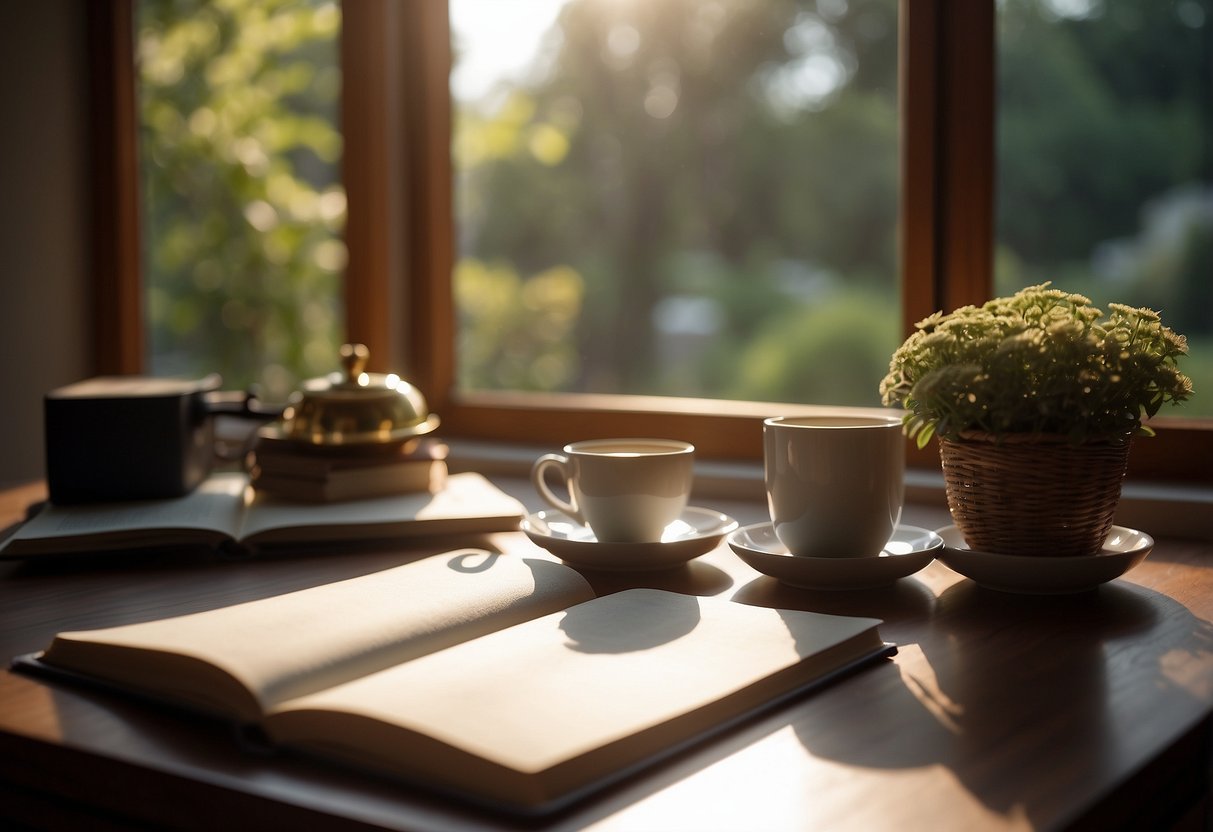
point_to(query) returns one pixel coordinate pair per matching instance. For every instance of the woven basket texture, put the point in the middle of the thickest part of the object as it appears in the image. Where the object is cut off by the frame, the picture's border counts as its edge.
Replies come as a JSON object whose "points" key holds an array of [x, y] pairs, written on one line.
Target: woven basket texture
{"points": [[1032, 495]]}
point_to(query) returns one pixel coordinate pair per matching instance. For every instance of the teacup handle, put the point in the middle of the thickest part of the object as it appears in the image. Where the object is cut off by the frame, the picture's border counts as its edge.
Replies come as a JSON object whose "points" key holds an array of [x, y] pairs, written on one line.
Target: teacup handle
{"points": [[538, 479]]}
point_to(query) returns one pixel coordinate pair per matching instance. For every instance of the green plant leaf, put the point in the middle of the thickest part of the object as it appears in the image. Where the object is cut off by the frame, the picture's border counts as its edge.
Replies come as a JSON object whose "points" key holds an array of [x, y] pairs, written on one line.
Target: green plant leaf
{"points": [[1039, 362]]}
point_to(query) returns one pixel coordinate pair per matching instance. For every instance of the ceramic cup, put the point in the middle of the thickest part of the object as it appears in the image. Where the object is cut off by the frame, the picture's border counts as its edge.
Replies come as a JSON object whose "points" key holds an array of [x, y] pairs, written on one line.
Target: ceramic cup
{"points": [[625, 490], [835, 484]]}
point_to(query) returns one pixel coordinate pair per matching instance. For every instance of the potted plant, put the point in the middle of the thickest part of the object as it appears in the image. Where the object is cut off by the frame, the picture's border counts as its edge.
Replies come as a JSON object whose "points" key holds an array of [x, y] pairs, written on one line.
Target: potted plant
{"points": [[1035, 399]]}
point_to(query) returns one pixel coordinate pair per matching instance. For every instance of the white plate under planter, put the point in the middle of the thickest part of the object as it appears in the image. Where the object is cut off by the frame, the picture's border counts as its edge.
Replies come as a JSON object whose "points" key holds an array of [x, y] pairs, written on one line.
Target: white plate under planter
{"points": [[1041, 574]]}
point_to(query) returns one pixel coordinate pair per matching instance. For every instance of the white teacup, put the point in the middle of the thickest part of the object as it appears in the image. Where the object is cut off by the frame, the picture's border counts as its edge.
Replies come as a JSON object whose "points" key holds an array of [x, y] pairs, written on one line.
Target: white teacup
{"points": [[835, 484], [625, 490]]}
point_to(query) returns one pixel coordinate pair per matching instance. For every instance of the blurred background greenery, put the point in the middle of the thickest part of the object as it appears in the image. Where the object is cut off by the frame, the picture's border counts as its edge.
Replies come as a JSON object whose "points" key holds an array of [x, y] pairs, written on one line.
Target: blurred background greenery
{"points": [[1105, 159], [243, 208], [683, 197]]}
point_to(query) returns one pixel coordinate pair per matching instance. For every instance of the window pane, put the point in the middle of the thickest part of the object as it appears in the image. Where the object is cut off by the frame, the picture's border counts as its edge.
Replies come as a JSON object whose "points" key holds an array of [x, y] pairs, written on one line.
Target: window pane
{"points": [[686, 197], [243, 207], [1106, 162]]}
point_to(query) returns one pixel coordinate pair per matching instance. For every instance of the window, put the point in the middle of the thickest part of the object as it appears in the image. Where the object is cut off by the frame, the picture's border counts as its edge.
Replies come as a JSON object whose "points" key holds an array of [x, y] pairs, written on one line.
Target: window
{"points": [[947, 165]]}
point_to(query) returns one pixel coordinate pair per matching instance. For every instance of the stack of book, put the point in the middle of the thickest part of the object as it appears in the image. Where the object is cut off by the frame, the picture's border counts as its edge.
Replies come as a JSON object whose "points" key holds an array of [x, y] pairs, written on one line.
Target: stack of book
{"points": [[286, 468]]}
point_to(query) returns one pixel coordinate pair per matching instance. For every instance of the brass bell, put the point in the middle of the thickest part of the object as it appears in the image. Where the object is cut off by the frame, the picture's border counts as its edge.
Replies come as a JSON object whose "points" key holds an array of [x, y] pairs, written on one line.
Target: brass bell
{"points": [[354, 407]]}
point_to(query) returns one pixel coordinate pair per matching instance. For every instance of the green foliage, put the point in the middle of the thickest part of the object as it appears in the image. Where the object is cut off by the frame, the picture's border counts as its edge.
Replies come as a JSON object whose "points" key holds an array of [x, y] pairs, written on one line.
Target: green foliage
{"points": [[629, 164], [522, 326], [837, 345], [243, 209], [1104, 161], [1096, 115], [1039, 362]]}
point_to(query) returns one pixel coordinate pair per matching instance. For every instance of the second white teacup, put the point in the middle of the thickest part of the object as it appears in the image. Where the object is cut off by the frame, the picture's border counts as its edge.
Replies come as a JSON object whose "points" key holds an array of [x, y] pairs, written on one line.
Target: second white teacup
{"points": [[625, 490], [835, 484]]}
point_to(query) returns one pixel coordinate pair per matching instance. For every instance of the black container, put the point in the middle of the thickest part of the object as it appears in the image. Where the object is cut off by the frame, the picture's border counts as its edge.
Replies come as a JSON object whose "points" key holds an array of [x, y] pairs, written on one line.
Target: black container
{"points": [[128, 438]]}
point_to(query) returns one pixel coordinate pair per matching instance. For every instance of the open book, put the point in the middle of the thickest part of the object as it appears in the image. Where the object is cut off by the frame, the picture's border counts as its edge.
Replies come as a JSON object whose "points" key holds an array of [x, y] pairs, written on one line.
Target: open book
{"points": [[225, 511], [497, 678]]}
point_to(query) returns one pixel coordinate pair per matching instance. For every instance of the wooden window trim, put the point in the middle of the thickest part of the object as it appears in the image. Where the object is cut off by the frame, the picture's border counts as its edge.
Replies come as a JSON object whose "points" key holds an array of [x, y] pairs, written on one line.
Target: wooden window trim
{"points": [[398, 174], [117, 286], [367, 121]]}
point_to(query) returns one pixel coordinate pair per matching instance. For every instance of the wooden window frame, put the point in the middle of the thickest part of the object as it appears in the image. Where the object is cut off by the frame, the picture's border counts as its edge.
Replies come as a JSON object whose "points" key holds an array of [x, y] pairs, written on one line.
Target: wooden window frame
{"points": [[396, 120]]}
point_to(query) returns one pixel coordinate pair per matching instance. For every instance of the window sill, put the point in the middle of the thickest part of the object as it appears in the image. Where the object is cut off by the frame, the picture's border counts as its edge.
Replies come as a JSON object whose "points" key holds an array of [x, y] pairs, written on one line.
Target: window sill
{"points": [[732, 430], [1182, 511]]}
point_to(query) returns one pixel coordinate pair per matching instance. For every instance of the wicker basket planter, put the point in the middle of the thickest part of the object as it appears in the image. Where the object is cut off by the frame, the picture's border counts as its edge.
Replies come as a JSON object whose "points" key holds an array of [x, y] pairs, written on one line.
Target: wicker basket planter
{"points": [[1032, 495]]}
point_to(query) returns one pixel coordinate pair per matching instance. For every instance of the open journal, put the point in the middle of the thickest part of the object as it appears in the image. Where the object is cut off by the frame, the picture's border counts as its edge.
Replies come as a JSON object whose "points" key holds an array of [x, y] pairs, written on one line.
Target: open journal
{"points": [[225, 511], [497, 678]]}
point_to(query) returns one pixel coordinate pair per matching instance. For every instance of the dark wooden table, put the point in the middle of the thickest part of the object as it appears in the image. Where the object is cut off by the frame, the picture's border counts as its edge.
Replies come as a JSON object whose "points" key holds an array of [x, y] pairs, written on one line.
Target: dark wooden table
{"points": [[999, 712]]}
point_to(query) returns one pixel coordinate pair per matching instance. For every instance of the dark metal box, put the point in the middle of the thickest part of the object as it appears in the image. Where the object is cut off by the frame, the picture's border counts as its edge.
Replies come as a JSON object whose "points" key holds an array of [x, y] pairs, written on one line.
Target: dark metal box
{"points": [[128, 438]]}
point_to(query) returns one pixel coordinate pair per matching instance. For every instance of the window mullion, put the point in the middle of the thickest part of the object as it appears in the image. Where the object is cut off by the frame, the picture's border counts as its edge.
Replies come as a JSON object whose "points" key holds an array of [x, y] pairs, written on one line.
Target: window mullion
{"points": [[426, 218], [369, 176], [965, 119], [918, 101], [947, 154], [118, 324]]}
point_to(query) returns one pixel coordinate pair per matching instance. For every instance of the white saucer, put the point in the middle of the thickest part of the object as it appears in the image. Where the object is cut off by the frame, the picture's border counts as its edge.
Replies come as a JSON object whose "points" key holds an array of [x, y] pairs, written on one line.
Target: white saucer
{"points": [[695, 532], [1043, 575], [909, 550]]}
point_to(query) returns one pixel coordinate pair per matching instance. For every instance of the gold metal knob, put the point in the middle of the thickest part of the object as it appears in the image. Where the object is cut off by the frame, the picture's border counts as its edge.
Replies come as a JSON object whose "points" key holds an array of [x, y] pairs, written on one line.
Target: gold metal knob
{"points": [[353, 360]]}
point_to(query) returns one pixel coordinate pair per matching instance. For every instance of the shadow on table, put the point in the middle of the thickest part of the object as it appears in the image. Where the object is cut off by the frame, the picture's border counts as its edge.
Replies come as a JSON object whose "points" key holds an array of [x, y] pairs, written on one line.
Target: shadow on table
{"points": [[694, 578], [905, 600], [1034, 702]]}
